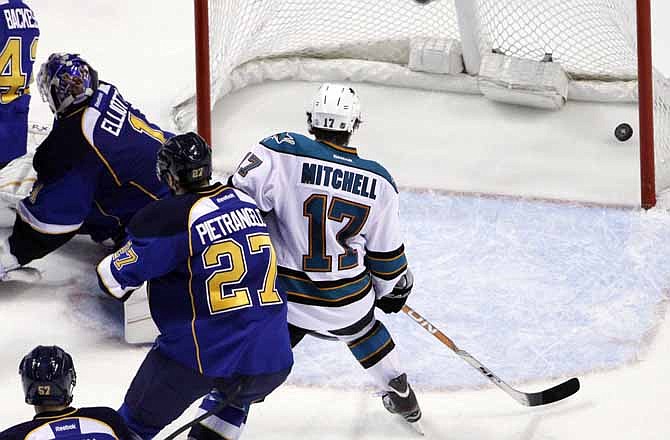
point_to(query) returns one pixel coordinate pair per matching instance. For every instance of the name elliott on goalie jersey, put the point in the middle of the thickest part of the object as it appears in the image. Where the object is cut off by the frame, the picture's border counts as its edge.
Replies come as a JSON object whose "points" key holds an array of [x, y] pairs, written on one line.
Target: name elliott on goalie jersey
{"points": [[349, 181], [115, 115]]}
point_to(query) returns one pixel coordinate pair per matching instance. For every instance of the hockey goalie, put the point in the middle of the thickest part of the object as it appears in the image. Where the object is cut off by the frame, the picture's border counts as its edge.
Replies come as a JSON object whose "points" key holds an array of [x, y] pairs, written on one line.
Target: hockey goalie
{"points": [[89, 175]]}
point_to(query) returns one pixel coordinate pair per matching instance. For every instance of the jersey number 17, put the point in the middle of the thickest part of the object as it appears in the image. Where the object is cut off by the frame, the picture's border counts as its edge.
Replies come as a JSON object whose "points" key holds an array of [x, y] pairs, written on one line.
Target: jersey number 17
{"points": [[319, 212]]}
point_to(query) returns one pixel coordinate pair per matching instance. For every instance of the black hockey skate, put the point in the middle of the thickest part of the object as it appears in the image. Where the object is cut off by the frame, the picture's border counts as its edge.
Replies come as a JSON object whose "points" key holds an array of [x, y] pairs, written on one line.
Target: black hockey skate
{"points": [[402, 401]]}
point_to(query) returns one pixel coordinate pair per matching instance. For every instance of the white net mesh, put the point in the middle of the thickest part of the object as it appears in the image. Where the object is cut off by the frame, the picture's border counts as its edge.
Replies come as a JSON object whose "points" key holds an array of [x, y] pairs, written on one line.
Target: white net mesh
{"points": [[323, 29], [593, 40], [590, 38], [662, 131]]}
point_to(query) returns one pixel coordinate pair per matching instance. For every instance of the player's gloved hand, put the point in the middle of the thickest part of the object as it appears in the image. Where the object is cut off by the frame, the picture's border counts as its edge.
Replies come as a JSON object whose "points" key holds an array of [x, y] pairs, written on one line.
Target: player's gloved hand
{"points": [[393, 302], [7, 260]]}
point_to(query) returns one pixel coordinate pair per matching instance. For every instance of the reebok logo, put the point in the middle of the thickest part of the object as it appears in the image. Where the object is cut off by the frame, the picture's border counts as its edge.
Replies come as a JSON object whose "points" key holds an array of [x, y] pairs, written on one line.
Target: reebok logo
{"points": [[65, 427], [343, 158], [224, 198]]}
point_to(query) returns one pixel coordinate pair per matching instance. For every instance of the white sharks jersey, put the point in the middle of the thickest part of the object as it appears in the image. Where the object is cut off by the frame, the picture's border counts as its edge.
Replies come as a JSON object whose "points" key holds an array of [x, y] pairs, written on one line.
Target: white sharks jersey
{"points": [[333, 218]]}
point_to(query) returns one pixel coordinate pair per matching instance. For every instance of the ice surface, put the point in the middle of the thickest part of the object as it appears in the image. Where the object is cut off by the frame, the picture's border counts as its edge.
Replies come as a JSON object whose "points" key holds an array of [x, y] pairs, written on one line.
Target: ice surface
{"points": [[534, 290], [537, 291]]}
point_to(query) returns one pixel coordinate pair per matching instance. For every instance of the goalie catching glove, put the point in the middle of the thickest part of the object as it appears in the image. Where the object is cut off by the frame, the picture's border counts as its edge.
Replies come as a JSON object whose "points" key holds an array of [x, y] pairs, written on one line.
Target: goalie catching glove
{"points": [[393, 302]]}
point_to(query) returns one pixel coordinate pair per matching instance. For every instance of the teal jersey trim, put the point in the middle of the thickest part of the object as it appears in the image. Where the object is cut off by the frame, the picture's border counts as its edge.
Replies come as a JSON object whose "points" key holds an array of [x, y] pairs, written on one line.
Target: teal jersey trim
{"points": [[300, 289], [298, 145]]}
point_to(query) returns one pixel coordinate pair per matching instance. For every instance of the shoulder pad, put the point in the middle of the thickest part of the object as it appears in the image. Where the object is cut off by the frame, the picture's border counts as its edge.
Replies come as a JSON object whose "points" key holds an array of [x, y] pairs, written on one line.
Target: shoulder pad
{"points": [[287, 138], [378, 169], [163, 217], [101, 96]]}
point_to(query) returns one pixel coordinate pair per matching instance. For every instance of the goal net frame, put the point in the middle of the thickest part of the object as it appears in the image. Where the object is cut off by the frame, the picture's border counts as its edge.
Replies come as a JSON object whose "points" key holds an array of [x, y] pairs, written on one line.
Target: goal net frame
{"points": [[645, 81]]}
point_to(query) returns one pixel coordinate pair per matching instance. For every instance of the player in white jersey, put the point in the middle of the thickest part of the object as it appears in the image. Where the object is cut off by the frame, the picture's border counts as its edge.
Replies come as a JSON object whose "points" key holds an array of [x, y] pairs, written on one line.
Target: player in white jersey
{"points": [[333, 218]]}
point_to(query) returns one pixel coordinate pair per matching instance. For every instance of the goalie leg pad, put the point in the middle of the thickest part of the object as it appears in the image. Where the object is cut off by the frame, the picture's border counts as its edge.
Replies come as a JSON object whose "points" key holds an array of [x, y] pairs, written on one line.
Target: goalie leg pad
{"points": [[17, 178], [139, 326]]}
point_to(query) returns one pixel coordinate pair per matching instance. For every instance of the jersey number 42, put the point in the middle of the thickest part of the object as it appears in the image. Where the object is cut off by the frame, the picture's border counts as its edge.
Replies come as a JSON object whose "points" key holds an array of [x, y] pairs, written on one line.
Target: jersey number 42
{"points": [[13, 81]]}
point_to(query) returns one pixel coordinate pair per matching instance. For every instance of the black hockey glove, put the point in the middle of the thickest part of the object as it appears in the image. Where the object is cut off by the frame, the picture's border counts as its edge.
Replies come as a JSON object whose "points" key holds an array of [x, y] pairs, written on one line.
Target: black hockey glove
{"points": [[393, 302]]}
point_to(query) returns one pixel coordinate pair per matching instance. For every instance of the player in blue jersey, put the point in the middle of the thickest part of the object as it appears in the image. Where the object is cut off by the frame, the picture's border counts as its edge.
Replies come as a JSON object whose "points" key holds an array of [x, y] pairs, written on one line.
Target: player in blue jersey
{"points": [[48, 378], [95, 169], [19, 33], [335, 224], [212, 270]]}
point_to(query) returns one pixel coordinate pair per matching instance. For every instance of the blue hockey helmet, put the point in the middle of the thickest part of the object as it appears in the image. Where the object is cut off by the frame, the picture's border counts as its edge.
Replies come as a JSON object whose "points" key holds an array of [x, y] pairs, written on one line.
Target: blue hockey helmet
{"points": [[48, 376], [66, 80], [187, 158]]}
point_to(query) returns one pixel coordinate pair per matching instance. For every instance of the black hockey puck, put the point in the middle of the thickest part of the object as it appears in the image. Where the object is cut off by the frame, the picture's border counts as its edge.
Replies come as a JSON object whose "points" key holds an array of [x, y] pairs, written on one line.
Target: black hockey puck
{"points": [[623, 132]]}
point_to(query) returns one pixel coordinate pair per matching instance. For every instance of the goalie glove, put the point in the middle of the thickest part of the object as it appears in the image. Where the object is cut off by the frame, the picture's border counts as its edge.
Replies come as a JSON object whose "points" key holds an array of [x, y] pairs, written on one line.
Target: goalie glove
{"points": [[393, 302]]}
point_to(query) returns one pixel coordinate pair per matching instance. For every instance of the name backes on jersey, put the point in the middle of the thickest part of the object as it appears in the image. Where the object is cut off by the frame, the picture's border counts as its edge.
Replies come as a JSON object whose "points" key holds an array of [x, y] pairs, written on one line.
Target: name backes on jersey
{"points": [[349, 181], [20, 18]]}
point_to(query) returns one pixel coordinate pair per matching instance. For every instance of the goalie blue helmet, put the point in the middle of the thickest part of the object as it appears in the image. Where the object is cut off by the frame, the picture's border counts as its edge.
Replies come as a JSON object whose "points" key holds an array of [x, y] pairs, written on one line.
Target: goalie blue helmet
{"points": [[48, 376], [66, 80]]}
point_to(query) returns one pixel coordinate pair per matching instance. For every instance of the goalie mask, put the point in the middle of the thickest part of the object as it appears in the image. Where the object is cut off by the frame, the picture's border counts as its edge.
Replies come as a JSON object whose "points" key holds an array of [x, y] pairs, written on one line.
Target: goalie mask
{"points": [[48, 376], [335, 108], [66, 80]]}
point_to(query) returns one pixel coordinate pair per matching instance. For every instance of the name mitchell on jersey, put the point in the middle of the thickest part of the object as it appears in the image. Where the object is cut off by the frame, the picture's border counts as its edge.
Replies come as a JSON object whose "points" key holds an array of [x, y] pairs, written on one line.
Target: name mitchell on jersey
{"points": [[349, 181]]}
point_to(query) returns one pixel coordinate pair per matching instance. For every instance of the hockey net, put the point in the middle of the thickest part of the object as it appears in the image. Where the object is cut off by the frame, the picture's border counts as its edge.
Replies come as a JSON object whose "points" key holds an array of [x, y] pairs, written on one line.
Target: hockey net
{"points": [[370, 41]]}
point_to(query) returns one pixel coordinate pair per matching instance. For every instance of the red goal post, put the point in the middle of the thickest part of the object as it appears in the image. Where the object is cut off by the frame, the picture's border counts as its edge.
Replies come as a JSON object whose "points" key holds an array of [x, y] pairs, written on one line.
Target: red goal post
{"points": [[234, 35], [646, 104], [203, 102]]}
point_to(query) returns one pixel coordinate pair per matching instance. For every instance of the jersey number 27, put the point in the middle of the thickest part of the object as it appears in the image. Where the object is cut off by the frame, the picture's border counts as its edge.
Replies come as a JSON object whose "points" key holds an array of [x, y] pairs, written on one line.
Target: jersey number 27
{"points": [[239, 297]]}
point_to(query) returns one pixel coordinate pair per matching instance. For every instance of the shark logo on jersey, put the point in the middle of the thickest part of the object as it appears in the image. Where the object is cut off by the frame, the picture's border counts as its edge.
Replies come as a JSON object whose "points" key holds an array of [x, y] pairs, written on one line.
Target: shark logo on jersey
{"points": [[284, 137]]}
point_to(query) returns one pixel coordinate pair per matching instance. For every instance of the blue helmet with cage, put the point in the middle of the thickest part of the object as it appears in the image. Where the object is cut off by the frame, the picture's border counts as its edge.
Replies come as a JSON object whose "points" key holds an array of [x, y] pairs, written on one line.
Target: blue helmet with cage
{"points": [[48, 376], [66, 80]]}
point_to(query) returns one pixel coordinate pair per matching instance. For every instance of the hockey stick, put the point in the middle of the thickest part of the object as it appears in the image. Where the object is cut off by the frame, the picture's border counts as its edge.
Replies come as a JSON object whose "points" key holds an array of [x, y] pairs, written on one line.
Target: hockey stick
{"points": [[224, 403], [550, 395]]}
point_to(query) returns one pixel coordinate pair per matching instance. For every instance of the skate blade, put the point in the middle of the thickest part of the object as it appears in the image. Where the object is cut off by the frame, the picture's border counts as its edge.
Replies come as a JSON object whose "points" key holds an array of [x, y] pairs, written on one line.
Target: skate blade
{"points": [[416, 426]]}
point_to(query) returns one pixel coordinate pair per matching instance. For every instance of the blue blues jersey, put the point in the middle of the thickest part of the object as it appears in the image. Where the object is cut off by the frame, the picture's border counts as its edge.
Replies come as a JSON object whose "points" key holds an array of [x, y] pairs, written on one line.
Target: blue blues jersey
{"points": [[19, 34], [212, 282], [98, 423], [95, 170]]}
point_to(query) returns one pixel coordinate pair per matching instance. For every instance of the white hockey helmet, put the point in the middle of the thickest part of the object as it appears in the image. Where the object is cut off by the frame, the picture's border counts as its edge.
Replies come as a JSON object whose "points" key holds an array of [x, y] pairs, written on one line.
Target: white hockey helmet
{"points": [[335, 108]]}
